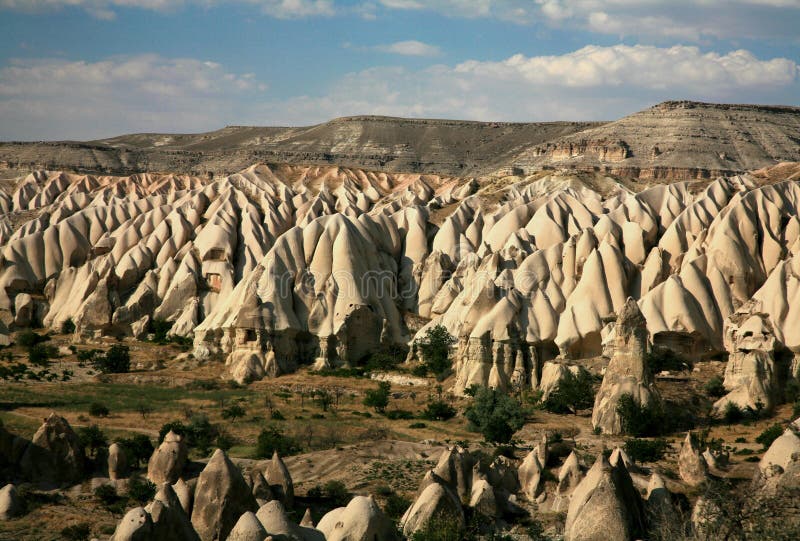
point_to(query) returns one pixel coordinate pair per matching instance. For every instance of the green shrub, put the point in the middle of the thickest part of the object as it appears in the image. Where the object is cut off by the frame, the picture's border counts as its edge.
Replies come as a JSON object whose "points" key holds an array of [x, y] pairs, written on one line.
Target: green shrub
{"points": [[732, 413], [417, 425], [224, 441], [435, 349], [96, 409], [28, 339], [769, 435], [394, 415], [574, 392], [387, 358], [395, 506], [140, 490], [440, 528], [646, 450], [68, 327], [495, 415], [138, 449], [77, 532], [660, 360], [438, 410], [92, 438], [271, 440], [117, 360], [276, 415], [639, 419], [714, 387], [109, 499], [336, 492], [791, 391], [233, 412], [420, 371], [378, 398], [40, 354]]}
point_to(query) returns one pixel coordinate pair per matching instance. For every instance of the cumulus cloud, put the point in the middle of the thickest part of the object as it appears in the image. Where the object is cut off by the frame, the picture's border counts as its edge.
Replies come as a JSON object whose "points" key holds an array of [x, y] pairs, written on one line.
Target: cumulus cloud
{"points": [[410, 48], [592, 83], [106, 9], [58, 99]]}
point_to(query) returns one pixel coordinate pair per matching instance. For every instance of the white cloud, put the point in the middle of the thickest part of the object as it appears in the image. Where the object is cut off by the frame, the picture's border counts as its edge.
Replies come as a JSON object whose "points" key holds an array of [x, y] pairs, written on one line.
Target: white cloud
{"points": [[53, 99], [105, 9], [588, 84], [410, 48], [59, 99]]}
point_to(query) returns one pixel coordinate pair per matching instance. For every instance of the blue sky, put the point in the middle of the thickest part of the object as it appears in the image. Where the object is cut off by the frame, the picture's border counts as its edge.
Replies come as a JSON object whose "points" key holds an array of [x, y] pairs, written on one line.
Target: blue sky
{"points": [[82, 69]]}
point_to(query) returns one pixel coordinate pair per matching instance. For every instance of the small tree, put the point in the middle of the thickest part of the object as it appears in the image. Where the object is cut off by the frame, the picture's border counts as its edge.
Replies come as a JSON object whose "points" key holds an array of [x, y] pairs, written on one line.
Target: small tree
{"points": [[435, 349], [378, 398], [714, 387], [233, 412], [117, 360], [572, 394], [271, 439], [138, 449], [438, 410], [96, 409], [92, 438], [323, 398], [769, 435], [495, 415], [639, 419]]}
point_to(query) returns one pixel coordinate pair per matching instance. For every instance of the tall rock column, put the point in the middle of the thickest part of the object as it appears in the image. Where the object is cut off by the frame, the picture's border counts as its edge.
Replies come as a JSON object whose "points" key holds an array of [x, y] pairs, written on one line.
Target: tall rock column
{"points": [[627, 373]]}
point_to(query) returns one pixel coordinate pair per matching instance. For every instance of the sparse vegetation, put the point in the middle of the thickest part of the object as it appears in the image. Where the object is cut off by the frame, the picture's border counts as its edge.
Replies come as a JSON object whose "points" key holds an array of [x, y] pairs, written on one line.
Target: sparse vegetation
{"points": [[271, 439], [769, 435], [574, 393], [438, 410], [642, 450], [435, 350], [495, 415], [96, 409], [378, 398], [714, 387]]}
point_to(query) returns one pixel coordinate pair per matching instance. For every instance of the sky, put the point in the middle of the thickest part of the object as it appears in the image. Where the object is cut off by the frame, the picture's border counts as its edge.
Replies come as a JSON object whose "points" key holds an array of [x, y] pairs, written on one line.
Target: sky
{"points": [[87, 69]]}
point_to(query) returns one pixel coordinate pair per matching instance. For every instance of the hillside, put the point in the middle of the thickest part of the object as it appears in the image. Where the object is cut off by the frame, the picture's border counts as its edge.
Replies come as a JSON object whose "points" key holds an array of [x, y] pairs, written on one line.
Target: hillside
{"points": [[675, 140]]}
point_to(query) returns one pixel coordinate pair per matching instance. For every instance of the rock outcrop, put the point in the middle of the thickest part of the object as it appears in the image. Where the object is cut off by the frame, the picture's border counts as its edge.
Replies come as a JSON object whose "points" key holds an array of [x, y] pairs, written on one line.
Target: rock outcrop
{"points": [[436, 502], [136, 525], [279, 480], [117, 462], [692, 467], [605, 505], [361, 520], [569, 477], [751, 375], [168, 460], [55, 454], [531, 475], [10, 504], [782, 451], [627, 373], [248, 528], [220, 498]]}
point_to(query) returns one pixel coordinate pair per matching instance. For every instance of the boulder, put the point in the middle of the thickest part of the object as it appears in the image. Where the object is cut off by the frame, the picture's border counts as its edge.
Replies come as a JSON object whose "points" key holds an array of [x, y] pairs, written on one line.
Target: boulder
{"points": [[307, 521], [782, 451], [55, 454], [220, 498], [168, 460], [170, 521], [185, 495], [750, 375], [437, 502], [276, 522], [117, 462], [280, 480], [530, 475], [692, 467], [262, 492], [627, 372], [361, 520], [248, 528], [136, 525], [455, 469], [10, 504], [569, 476], [604, 506], [483, 500]]}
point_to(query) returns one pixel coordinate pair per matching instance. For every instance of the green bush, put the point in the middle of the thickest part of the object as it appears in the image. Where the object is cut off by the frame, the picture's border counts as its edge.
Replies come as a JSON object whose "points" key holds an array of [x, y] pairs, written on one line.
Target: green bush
{"points": [[96, 409], [109, 499], [140, 490], [28, 339], [646, 450], [40, 354], [661, 359], [92, 438], [77, 532], [336, 492], [271, 439], [732, 413], [233, 412], [394, 415], [417, 425], [276, 415], [440, 529], [714, 387], [138, 449], [435, 349], [199, 433], [438, 410], [117, 360], [574, 392], [639, 419], [495, 415], [68, 327], [395, 506], [769, 435], [378, 398], [791, 391], [387, 358]]}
